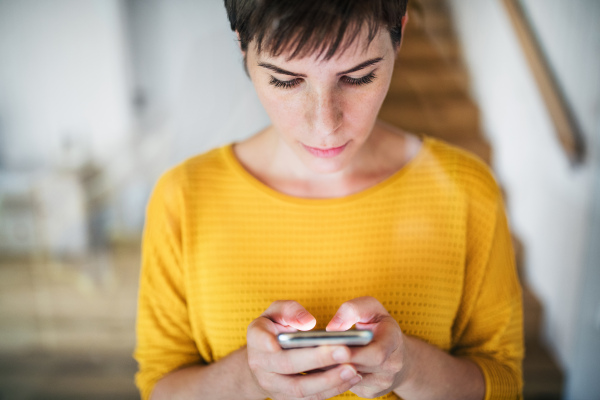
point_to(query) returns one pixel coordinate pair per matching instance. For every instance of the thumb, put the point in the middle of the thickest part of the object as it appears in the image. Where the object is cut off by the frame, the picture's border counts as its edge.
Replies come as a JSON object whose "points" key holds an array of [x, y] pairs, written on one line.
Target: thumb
{"points": [[290, 313], [360, 310]]}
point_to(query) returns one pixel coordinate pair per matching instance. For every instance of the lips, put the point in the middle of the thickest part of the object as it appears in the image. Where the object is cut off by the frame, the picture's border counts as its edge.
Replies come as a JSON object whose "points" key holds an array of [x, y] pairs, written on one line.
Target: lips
{"points": [[325, 153]]}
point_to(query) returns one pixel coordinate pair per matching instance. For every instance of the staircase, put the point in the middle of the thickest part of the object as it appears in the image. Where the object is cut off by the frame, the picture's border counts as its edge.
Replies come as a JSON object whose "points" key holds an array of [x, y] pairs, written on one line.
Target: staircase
{"points": [[429, 94]]}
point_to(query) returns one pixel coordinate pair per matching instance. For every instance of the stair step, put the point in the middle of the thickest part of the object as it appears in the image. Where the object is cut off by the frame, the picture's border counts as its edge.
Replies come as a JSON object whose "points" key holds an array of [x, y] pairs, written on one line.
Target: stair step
{"points": [[452, 119], [429, 48], [543, 379], [432, 79], [429, 16]]}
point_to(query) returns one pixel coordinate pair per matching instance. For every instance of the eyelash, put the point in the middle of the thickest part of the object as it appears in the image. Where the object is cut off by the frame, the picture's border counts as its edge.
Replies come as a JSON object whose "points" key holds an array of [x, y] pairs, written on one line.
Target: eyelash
{"points": [[365, 80], [285, 84]]}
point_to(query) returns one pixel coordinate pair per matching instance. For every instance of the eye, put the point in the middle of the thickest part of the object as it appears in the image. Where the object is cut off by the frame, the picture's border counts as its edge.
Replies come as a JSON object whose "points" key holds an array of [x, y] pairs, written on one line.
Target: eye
{"points": [[360, 81], [285, 84]]}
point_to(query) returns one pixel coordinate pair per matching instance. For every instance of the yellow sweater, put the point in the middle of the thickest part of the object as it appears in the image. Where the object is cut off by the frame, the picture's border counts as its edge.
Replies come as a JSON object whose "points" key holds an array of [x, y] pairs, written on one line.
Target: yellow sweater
{"points": [[431, 243]]}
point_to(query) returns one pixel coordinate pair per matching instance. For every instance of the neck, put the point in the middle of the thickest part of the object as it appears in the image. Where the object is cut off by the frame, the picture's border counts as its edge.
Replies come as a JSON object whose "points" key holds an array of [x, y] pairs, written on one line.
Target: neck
{"points": [[284, 163], [275, 163]]}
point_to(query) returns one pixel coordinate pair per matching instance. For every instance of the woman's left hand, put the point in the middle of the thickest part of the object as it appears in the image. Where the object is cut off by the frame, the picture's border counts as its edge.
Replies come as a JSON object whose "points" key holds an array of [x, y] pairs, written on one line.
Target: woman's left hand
{"points": [[384, 363]]}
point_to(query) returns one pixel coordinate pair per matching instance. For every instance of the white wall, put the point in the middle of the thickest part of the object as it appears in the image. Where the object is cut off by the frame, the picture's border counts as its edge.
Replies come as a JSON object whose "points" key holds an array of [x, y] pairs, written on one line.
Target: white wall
{"points": [[69, 71], [187, 69], [63, 76], [64, 102], [550, 202], [188, 65]]}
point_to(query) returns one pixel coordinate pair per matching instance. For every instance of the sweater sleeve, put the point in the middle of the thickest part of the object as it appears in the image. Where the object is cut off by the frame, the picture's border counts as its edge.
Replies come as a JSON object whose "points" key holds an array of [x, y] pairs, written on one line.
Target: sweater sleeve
{"points": [[164, 335], [489, 327]]}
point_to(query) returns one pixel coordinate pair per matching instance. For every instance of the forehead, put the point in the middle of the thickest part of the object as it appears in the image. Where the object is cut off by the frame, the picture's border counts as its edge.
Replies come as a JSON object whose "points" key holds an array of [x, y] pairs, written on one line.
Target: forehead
{"points": [[359, 49]]}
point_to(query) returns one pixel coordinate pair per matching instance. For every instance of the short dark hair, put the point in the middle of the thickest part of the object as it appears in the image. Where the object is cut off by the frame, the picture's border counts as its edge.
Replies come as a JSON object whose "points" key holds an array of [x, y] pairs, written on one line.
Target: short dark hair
{"points": [[304, 27]]}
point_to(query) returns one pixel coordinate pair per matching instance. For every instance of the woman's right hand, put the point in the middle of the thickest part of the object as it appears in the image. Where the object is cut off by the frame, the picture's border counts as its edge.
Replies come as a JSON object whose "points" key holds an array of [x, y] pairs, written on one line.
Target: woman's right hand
{"points": [[277, 372]]}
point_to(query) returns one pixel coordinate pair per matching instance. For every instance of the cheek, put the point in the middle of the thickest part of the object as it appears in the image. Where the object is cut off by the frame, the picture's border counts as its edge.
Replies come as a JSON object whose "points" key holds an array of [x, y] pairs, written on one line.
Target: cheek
{"points": [[363, 108], [288, 113], [285, 113]]}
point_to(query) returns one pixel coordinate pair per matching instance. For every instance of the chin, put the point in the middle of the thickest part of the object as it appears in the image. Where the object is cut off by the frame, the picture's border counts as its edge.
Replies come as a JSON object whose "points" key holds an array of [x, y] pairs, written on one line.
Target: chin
{"points": [[325, 166]]}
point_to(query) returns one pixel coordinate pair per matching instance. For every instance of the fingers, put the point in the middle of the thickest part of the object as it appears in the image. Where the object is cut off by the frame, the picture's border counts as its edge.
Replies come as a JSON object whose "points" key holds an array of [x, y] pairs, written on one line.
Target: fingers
{"points": [[278, 373], [363, 310], [262, 336], [271, 358], [385, 352], [382, 362], [281, 316], [290, 313], [372, 359], [301, 360], [387, 341], [327, 394], [324, 384]]}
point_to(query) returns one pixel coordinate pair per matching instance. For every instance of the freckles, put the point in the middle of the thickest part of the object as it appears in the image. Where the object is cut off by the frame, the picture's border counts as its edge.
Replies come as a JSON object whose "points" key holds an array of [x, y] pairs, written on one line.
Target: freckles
{"points": [[274, 103], [303, 106], [288, 107], [365, 104], [283, 112]]}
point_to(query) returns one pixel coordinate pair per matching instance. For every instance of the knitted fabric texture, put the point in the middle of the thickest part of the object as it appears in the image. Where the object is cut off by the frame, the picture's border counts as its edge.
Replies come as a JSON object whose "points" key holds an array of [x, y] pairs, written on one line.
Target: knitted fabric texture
{"points": [[431, 243]]}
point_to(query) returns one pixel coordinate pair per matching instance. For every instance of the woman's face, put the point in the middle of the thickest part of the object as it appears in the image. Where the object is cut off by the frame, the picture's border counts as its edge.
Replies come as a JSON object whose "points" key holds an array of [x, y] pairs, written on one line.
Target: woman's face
{"points": [[324, 111]]}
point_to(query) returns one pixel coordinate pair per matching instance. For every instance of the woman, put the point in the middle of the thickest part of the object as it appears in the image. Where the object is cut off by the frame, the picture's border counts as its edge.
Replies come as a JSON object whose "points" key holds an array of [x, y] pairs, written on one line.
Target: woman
{"points": [[327, 219]]}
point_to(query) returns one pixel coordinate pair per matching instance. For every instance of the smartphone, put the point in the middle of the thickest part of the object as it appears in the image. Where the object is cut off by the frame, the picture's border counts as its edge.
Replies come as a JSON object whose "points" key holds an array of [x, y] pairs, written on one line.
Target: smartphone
{"points": [[324, 338]]}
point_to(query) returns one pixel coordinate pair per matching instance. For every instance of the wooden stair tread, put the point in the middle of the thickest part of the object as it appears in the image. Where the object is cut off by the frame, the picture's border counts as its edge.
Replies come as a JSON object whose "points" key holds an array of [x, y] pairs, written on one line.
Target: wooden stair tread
{"points": [[447, 118], [423, 48], [439, 79]]}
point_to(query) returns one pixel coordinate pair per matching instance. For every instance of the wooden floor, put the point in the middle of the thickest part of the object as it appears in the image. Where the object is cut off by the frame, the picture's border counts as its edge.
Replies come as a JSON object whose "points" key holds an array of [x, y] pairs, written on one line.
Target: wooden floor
{"points": [[39, 375], [67, 327]]}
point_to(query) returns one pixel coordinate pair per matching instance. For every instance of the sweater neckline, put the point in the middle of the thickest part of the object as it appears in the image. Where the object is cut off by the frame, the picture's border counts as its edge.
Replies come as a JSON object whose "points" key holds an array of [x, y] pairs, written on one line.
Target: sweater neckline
{"points": [[229, 155]]}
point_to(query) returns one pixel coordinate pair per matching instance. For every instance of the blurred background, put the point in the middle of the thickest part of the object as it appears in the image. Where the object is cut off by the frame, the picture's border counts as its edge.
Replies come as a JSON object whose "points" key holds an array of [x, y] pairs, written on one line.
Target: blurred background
{"points": [[99, 97]]}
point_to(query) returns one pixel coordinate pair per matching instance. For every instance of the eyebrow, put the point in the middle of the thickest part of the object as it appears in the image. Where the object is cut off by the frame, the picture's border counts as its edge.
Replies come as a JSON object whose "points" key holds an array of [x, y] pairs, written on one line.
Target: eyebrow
{"points": [[360, 66], [279, 70]]}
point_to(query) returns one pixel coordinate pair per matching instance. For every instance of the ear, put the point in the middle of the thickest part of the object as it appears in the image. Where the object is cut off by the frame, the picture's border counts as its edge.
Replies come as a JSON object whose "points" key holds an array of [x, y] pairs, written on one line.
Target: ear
{"points": [[404, 22], [239, 42]]}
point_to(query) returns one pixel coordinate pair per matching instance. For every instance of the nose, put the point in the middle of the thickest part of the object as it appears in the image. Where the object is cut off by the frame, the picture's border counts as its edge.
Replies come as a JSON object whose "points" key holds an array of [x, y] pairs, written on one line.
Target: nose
{"points": [[326, 111]]}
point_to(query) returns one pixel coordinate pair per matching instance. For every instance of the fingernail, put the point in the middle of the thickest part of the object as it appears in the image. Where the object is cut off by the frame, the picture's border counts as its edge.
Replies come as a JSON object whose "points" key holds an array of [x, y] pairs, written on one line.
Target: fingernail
{"points": [[356, 379], [303, 317], [340, 355], [347, 373], [337, 320]]}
